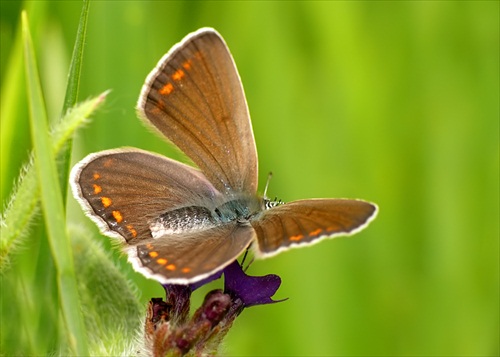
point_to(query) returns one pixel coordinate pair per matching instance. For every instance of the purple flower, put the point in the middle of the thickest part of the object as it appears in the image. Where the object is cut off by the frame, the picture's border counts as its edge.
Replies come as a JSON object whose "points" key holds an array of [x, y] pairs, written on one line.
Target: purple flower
{"points": [[168, 328], [252, 290]]}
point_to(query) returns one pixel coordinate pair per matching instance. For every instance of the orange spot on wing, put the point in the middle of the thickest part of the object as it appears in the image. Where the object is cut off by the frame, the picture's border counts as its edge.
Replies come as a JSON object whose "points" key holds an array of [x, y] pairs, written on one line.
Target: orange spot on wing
{"points": [[186, 270], [316, 232], [155, 110], [167, 89], [332, 229], [198, 55], [187, 65], [153, 254], [171, 267], [132, 230], [97, 189], [178, 75], [106, 201], [161, 261], [96, 176], [108, 163], [296, 238], [118, 216]]}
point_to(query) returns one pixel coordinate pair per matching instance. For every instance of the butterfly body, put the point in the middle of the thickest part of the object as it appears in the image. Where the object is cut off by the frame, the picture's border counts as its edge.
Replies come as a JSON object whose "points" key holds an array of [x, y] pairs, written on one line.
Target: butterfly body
{"points": [[180, 224], [195, 218]]}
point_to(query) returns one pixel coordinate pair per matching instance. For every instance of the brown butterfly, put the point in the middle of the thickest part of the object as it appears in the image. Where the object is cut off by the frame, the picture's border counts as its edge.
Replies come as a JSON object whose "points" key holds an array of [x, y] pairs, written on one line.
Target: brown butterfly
{"points": [[181, 224]]}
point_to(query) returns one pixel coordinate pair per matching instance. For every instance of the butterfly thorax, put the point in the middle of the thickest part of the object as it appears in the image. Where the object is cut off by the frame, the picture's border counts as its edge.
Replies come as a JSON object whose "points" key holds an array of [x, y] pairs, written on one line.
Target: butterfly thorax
{"points": [[195, 218]]}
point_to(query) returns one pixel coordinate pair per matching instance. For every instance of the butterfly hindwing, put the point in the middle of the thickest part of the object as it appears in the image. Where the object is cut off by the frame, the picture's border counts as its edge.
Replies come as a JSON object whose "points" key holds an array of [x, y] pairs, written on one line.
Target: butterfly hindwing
{"points": [[306, 222], [193, 256]]}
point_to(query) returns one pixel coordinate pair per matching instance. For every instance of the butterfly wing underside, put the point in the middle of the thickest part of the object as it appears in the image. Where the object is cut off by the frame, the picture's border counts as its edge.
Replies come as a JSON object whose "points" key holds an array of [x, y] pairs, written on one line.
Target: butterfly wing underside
{"points": [[306, 222], [195, 98]]}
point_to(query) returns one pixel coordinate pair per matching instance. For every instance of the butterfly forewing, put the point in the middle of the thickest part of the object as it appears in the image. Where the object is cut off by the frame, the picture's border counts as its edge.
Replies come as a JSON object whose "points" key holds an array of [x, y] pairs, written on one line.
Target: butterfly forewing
{"points": [[125, 191], [308, 221], [195, 98]]}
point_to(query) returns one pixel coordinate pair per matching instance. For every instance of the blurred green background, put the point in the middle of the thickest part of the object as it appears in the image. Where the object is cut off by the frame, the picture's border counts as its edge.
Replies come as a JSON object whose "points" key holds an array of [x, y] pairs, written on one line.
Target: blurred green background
{"points": [[393, 102]]}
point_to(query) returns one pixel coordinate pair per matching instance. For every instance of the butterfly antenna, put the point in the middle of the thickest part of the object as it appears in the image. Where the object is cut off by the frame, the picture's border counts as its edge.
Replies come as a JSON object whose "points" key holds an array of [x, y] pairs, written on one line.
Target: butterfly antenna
{"points": [[267, 202], [245, 255], [248, 266], [267, 183]]}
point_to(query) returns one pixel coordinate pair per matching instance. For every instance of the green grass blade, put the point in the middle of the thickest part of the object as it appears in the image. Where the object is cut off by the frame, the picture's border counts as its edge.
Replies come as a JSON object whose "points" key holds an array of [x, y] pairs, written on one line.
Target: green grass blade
{"points": [[14, 124], [52, 203], [75, 69], [72, 89]]}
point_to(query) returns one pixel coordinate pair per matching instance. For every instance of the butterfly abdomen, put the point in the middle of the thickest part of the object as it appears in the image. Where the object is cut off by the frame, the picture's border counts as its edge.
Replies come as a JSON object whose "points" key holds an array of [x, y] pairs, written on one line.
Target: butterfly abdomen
{"points": [[195, 218], [182, 220]]}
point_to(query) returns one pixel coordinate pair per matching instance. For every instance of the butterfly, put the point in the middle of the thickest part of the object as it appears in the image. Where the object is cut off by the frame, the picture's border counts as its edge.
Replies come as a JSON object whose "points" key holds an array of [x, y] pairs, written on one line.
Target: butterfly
{"points": [[181, 224]]}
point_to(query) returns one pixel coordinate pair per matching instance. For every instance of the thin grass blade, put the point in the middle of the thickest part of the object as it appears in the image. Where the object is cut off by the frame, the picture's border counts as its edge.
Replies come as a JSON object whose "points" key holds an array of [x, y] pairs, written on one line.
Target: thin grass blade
{"points": [[72, 90], [52, 203]]}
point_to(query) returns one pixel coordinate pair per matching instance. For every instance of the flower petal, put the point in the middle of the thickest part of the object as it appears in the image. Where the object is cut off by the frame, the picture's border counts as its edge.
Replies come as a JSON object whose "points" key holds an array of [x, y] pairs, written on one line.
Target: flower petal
{"points": [[252, 290]]}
